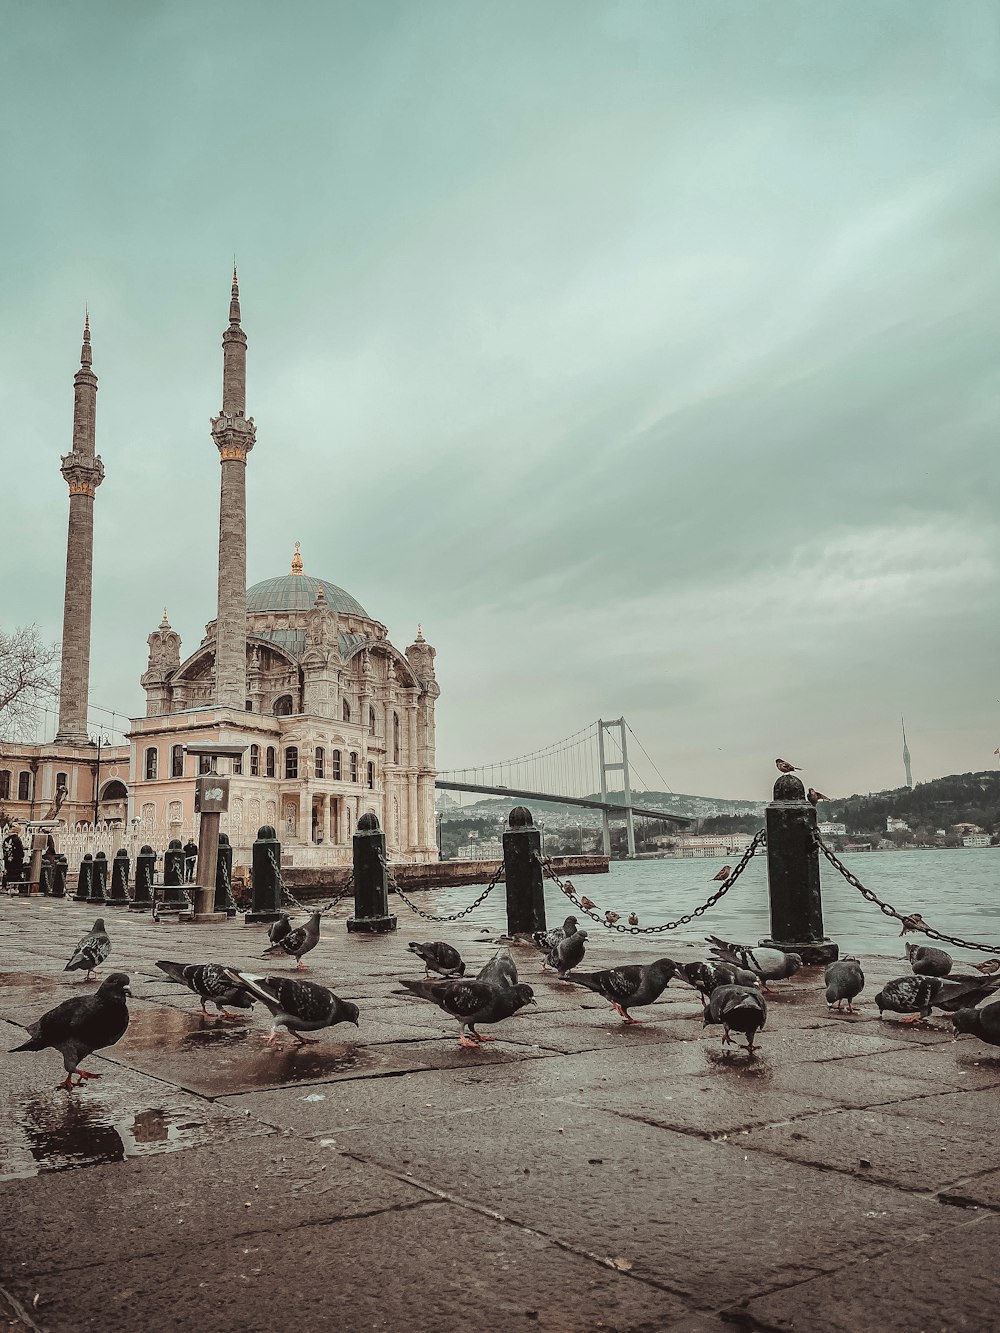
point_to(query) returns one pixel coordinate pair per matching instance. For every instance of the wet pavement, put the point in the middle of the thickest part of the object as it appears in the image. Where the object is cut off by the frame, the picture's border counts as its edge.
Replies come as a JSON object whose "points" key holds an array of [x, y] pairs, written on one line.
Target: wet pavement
{"points": [[572, 1175]]}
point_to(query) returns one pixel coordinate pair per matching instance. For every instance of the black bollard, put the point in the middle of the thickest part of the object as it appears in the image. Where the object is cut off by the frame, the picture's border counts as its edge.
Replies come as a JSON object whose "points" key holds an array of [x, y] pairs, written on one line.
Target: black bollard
{"points": [[266, 905], [173, 876], [59, 868], [793, 875], [371, 880], [145, 872], [224, 877], [119, 879], [84, 880], [45, 883], [522, 843], [99, 884]]}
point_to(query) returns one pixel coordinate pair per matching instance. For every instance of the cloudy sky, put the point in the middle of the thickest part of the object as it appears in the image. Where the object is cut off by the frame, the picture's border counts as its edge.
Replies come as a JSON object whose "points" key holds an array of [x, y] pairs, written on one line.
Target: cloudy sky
{"points": [[646, 353]]}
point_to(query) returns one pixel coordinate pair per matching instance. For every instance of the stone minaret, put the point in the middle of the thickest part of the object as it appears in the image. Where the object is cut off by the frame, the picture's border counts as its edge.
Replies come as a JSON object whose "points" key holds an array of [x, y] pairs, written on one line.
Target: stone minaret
{"points": [[84, 472], [234, 435]]}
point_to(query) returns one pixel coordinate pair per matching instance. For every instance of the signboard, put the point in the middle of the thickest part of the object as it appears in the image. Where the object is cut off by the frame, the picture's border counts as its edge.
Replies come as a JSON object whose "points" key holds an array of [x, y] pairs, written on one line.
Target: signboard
{"points": [[211, 795]]}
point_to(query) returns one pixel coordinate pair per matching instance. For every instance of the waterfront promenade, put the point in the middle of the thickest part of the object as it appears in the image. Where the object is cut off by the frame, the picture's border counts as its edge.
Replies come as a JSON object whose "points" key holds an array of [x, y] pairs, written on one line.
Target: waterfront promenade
{"points": [[573, 1175]]}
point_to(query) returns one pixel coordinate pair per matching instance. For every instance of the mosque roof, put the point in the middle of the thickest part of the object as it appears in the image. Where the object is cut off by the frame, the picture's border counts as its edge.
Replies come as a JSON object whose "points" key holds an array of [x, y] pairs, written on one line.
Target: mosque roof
{"points": [[296, 591]]}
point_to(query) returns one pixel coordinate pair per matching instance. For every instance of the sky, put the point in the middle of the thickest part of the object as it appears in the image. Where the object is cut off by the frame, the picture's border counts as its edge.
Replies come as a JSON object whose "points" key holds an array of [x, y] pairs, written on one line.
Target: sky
{"points": [[645, 353]]}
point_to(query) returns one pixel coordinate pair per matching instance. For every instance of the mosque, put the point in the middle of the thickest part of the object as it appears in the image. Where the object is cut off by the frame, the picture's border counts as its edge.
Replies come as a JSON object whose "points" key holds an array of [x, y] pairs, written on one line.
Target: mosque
{"points": [[335, 720]]}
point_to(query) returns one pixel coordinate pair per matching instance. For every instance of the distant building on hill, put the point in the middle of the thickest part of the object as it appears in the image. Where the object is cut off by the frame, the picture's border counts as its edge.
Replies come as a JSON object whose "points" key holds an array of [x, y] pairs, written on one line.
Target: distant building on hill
{"points": [[830, 828], [893, 825]]}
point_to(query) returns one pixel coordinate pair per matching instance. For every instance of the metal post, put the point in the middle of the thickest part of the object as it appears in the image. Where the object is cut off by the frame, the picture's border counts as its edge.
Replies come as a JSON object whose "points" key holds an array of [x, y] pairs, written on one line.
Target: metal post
{"points": [[266, 863], [119, 879], [793, 875], [60, 866], [207, 871], [605, 821], [99, 886], [224, 877], [145, 870], [84, 878], [173, 875], [525, 886], [371, 880]]}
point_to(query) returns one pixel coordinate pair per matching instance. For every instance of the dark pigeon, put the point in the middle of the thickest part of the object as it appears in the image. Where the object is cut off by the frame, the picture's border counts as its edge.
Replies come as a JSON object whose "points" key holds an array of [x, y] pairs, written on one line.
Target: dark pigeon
{"points": [[548, 939], [767, 964], [909, 995], [439, 957], [708, 976], [280, 928], [297, 1006], [631, 986], [297, 942], [78, 1027], [739, 1008], [964, 992], [210, 982], [981, 1023], [472, 1003], [500, 971], [928, 962], [568, 953], [844, 980], [91, 950]]}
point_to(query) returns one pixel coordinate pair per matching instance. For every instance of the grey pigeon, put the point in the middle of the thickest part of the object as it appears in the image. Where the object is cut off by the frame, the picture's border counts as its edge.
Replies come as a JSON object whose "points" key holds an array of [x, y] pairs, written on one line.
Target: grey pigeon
{"points": [[548, 939], [78, 1027], [209, 981], [768, 964], [568, 953], [473, 1002], [439, 957], [742, 1008], [631, 986], [908, 995], [280, 928], [297, 942], [981, 1023], [928, 962], [844, 980], [500, 971], [963, 992], [91, 951], [297, 1006], [706, 976]]}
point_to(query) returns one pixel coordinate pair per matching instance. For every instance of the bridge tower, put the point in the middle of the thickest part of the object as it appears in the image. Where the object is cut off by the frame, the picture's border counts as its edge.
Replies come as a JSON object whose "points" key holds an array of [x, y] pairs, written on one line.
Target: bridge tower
{"points": [[606, 768]]}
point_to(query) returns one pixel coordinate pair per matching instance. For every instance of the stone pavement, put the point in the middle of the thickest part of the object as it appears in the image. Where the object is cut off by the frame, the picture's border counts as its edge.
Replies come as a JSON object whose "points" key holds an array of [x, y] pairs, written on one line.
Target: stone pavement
{"points": [[573, 1176]]}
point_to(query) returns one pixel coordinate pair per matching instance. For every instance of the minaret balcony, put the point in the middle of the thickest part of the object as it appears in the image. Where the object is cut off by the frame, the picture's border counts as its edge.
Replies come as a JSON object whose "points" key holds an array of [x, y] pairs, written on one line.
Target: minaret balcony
{"points": [[83, 473], [234, 436]]}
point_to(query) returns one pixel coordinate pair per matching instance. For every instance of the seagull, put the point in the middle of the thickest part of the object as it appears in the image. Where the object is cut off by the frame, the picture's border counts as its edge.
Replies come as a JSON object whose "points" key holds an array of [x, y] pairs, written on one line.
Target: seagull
{"points": [[981, 1023], [928, 962], [844, 980], [279, 929], [500, 971], [439, 957], [91, 950], [209, 981], [297, 942], [783, 766], [548, 939], [739, 1007], [297, 1006], [78, 1027], [768, 964], [629, 987], [473, 1002], [567, 954], [724, 873]]}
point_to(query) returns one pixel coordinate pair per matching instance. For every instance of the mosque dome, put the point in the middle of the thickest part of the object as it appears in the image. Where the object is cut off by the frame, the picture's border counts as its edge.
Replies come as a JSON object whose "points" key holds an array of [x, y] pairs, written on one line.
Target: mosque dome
{"points": [[297, 591]]}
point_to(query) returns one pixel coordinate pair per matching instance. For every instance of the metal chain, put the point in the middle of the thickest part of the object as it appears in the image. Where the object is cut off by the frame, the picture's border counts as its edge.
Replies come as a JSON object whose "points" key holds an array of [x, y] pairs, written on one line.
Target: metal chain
{"points": [[290, 898], [457, 916], [912, 922], [685, 920]]}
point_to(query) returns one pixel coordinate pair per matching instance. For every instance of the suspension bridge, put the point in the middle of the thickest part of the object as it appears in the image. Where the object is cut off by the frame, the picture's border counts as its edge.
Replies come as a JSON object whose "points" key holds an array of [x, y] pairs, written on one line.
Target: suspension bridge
{"points": [[573, 771]]}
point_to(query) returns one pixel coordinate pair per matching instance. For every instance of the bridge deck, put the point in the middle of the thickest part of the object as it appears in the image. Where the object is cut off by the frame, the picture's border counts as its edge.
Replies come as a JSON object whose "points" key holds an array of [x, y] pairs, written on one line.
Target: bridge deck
{"points": [[610, 806]]}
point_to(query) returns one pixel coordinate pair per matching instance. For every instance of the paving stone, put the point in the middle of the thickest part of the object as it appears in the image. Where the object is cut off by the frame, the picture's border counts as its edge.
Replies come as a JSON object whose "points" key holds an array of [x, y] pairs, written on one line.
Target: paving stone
{"points": [[951, 1063]]}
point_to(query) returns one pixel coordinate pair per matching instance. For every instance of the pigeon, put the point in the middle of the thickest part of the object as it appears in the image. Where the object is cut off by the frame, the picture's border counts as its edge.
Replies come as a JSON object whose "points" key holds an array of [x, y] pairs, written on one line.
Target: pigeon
{"points": [[298, 1006], [500, 971], [439, 957], [567, 954], [209, 981], [844, 980], [768, 964], [91, 951], [629, 987], [709, 976], [297, 942], [548, 939], [909, 995], [473, 1002], [783, 766], [964, 992], [78, 1027], [814, 797], [981, 1023], [724, 873], [279, 929], [739, 1007], [928, 962]]}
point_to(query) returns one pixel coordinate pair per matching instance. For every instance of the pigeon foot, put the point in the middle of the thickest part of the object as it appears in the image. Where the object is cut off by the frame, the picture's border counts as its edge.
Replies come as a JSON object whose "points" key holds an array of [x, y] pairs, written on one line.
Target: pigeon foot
{"points": [[471, 1045], [914, 1018], [233, 1018], [300, 966], [305, 1041], [726, 1038]]}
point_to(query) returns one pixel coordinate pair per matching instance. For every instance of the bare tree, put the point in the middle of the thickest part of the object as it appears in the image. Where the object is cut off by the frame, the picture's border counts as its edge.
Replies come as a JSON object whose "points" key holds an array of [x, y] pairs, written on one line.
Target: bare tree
{"points": [[29, 677]]}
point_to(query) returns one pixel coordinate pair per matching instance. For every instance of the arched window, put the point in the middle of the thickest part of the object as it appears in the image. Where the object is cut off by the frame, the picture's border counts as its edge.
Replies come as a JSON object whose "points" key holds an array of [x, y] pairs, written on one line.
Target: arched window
{"points": [[335, 769], [177, 761], [371, 720], [292, 761], [255, 761], [354, 767], [371, 774], [237, 764], [151, 757], [24, 786], [283, 706], [347, 711], [395, 738], [62, 783], [319, 765], [4, 784], [270, 768]]}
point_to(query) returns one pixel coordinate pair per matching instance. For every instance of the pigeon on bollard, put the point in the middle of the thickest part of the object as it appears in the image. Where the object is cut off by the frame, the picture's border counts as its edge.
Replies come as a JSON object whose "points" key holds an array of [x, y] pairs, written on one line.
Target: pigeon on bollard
{"points": [[739, 1008], [439, 957], [297, 942], [280, 928], [631, 986], [500, 971], [567, 954], [548, 939], [981, 1023], [767, 964], [928, 962], [472, 1003], [210, 982], [844, 980], [297, 1006], [91, 950], [78, 1027], [706, 977]]}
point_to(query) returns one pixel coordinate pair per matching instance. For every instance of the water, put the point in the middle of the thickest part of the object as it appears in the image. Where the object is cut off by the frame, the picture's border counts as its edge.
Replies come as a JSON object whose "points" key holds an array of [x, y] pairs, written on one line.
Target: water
{"points": [[956, 892]]}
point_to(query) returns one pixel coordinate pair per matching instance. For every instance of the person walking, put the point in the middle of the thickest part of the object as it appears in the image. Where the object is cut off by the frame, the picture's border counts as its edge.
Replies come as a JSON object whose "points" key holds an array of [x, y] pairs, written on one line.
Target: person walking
{"points": [[190, 859]]}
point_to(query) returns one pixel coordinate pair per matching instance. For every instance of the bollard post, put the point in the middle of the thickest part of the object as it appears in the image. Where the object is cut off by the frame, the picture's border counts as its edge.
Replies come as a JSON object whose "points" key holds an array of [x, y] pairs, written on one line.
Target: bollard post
{"points": [[99, 883], [224, 877], [266, 905], [793, 881], [59, 868], [145, 871], [120, 867], [371, 880], [173, 876], [84, 880], [525, 885]]}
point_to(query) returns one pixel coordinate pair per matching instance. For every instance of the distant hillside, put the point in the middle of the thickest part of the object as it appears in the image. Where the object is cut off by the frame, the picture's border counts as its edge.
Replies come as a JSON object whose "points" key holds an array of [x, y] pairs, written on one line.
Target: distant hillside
{"points": [[690, 807], [962, 798]]}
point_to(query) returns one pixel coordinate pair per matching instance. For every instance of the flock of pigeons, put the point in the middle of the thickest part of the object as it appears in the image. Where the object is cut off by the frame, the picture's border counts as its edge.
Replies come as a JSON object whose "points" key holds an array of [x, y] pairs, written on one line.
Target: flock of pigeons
{"points": [[732, 985]]}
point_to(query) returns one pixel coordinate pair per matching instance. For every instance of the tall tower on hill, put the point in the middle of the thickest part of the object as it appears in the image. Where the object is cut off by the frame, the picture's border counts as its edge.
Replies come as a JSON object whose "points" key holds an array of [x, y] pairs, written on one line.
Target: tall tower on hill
{"points": [[234, 435], [906, 757], [84, 472]]}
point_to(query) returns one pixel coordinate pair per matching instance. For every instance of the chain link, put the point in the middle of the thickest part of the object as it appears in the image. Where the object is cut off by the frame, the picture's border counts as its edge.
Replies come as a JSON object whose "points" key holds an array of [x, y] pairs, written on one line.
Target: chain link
{"points": [[912, 922], [289, 898], [457, 916], [685, 920]]}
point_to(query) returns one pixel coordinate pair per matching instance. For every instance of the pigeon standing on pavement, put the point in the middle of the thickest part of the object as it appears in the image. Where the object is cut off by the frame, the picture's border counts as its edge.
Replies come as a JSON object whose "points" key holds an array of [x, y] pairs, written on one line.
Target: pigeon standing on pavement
{"points": [[708, 976], [91, 951], [928, 962], [981, 1023], [742, 1008], [297, 1006], [500, 971], [280, 928], [548, 939], [768, 964], [629, 987], [439, 957], [844, 980], [297, 942], [472, 1003], [78, 1027], [568, 953], [908, 995], [209, 981]]}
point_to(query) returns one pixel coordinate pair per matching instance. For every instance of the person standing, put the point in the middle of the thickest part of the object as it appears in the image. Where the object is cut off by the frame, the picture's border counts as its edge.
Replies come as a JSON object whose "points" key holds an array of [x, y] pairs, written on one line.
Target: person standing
{"points": [[190, 859], [13, 855]]}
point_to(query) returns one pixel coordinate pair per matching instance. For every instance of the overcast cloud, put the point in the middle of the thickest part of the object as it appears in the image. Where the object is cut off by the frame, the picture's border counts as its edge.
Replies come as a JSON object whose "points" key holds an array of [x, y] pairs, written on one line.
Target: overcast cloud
{"points": [[646, 353]]}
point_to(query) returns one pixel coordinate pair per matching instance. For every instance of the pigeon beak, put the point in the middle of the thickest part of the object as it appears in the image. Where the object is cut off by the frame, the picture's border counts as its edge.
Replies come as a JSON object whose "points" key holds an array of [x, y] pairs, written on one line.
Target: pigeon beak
{"points": [[126, 991]]}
